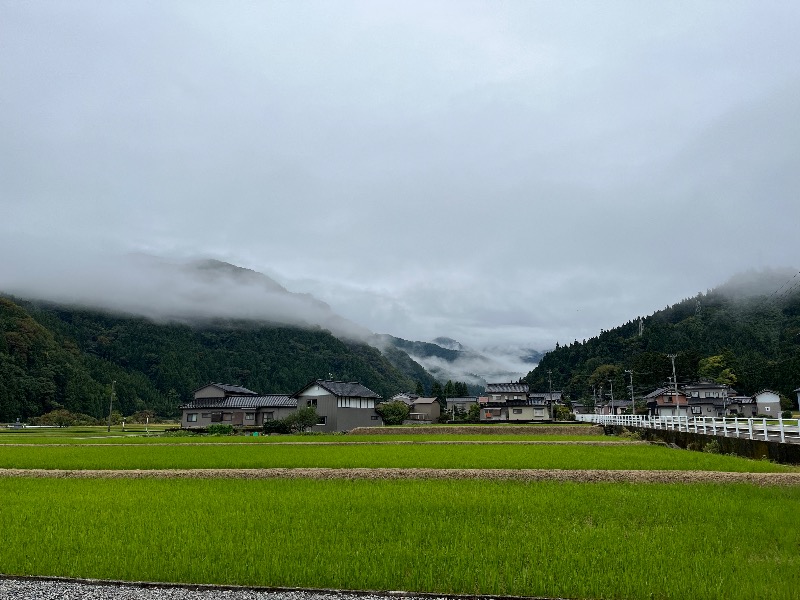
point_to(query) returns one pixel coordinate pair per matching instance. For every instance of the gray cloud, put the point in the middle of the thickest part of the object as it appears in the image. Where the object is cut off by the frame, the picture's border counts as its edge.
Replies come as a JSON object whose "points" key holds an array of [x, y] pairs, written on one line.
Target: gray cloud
{"points": [[517, 173]]}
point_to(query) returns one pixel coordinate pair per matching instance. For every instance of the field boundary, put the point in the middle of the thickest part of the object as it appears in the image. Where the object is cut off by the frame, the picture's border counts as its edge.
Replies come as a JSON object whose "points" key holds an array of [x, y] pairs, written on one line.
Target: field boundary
{"points": [[578, 429], [522, 475]]}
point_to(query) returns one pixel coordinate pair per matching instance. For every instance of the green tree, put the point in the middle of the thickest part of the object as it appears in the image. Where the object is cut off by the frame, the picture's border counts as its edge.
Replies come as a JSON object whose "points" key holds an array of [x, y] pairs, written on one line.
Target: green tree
{"points": [[302, 419], [393, 413], [716, 369]]}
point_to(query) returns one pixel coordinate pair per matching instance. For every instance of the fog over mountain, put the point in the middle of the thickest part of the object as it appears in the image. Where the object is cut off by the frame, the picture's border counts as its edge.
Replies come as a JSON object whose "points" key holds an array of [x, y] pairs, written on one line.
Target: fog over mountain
{"points": [[508, 173]]}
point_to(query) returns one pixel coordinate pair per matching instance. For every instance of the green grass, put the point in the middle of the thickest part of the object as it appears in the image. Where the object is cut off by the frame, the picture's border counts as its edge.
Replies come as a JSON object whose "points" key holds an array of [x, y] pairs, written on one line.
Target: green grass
{"points": [[464, 537], [490, 456]]}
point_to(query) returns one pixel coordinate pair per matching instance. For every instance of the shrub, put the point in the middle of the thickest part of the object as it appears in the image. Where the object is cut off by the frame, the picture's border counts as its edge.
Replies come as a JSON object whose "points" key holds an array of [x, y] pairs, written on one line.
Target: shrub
{"points": [[712, 447], [787, 414], [277, 426], [220, 429], [393, 413]]}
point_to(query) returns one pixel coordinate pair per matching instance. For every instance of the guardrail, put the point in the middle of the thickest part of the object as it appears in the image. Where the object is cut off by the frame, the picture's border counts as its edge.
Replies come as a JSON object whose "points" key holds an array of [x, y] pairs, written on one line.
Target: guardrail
{"points": [[771, 430]]}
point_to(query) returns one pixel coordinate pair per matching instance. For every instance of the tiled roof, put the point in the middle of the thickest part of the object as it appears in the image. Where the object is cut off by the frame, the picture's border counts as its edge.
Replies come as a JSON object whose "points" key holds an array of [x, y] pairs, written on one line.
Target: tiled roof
{"points": [[230, 389], [343, 389], [463, 399], [506, 388], [273, 400]]}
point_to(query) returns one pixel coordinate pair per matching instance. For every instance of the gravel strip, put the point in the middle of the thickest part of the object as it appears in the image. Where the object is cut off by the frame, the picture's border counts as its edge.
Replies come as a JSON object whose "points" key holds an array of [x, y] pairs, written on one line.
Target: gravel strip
{"points": [[578, 476], [41, 588]]}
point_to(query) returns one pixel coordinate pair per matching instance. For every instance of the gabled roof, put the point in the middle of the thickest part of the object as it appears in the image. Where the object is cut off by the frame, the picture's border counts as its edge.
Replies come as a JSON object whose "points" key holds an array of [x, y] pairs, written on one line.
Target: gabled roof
{"points": [[425, 400], [228, 389], [506, 388], [273, 400], [342, 389]]}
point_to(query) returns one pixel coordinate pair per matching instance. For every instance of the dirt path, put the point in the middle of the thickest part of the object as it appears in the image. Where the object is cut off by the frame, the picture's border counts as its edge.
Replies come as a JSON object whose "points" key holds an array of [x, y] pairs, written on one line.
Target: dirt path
{"points": [[579, 476]]}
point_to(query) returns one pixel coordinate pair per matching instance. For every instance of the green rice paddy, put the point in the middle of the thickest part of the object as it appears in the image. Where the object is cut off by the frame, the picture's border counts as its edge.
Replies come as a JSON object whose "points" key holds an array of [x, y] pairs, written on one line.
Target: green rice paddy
{"points": [[491, 456], [466, 537]]}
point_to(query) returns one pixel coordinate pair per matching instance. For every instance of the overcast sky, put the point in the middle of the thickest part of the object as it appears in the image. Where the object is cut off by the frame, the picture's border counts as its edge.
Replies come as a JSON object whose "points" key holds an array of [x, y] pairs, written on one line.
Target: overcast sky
{"points": [[496, 172]]}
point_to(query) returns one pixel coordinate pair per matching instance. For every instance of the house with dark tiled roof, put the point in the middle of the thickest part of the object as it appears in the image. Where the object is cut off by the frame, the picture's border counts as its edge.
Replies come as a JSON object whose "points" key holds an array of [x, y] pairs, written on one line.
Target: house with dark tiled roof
{"points": [[341, 405], [513, 402], [234, 405]]}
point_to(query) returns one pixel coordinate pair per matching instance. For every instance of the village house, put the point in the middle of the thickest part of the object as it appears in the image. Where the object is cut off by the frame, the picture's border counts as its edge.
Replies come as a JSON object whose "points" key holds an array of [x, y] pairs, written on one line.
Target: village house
{"points": [[663, 402], [425, 409], [233, 405], [768, 403], [512, 402], [341, 405]]}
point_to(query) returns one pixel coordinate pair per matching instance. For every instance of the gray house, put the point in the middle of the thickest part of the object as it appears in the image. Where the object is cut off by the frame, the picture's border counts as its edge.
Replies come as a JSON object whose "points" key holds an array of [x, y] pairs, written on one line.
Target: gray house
{"points": [[234, 405], [341, 405]]}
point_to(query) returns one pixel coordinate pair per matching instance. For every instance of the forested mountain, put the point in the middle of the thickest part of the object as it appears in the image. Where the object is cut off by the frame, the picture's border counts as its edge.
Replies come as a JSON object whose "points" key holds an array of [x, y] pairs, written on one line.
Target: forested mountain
{"points": [[55, 356], [745, 333]]}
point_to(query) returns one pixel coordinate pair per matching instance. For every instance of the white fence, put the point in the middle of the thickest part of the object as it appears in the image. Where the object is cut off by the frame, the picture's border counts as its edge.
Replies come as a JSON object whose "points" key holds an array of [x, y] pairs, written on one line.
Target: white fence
{"points": [[771, 430]]}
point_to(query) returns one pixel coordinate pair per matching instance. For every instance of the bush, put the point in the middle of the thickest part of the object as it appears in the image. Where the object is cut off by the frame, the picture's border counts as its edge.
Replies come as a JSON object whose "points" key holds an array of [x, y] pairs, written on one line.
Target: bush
{"points": [[393, 413], [787, 414], [278, 426], [220, 429], [712, 447]]}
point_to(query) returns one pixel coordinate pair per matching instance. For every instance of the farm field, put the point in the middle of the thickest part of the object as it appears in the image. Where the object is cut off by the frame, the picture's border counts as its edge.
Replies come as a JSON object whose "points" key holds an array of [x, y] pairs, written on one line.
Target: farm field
{"points": [[474, 535], [80, 437], [466, 537], [409, 456]]}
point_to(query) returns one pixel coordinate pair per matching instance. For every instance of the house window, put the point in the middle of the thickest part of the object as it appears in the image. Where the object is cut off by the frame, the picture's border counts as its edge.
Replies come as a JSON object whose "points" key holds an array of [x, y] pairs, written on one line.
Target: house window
{"points": [[269, 416], [766, 409], [517, 411], [374, 417], [538, 412], [227, 416], [323, 420], [696, 410], [249, 416], [216, 417], [312, 403], [191, 417]]}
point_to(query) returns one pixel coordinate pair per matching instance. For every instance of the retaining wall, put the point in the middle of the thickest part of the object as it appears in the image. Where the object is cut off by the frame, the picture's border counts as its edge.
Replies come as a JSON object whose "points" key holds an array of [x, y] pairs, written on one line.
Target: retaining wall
{"points": [[788, 454]]}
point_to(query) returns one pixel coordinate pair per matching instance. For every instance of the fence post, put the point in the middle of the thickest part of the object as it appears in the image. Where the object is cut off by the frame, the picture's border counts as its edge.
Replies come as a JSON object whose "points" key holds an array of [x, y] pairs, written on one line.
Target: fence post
{"points": [[780, 424], [750, 427], [764, 422]]}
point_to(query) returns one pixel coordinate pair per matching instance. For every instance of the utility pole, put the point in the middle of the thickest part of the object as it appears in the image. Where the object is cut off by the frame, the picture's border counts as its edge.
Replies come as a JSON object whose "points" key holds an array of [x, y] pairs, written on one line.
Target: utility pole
{"points": [[611, 383], [111, 404], [550, 380], [633, 401], [675, 381]]}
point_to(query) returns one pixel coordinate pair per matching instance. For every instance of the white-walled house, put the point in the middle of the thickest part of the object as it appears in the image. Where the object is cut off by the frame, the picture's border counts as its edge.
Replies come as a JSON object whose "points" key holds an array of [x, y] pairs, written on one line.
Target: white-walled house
{"points": [[768, 403]]}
